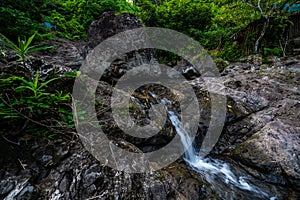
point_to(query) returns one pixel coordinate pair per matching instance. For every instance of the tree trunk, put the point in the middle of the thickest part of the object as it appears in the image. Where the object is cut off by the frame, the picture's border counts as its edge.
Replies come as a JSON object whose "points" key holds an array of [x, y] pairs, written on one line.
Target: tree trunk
{"points": [[262, 34]]}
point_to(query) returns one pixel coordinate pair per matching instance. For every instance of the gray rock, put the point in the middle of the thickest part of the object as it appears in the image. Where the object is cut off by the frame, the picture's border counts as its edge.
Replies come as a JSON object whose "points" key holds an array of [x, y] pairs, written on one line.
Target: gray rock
{"points": [[107, 26], [110, 25], [274, 149], [253, 59]]}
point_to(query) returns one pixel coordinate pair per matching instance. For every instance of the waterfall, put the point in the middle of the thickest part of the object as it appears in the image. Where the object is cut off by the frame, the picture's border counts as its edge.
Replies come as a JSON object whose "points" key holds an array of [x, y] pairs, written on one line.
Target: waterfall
{"points": [[211, 169]]}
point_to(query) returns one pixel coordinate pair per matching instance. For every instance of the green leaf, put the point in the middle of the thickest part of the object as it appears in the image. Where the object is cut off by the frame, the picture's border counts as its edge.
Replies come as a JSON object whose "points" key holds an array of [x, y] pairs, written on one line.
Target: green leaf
{"points": [[47, 82], [23, 48], [29, 41], [29, 83], [33, 49]]}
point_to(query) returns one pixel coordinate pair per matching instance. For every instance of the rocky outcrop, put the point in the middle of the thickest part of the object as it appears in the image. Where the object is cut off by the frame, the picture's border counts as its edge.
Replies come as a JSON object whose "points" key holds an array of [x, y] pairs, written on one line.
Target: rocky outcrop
{"points": [[65, 170], [260, 138], [110, 25], [273, 150], [267, 138]]}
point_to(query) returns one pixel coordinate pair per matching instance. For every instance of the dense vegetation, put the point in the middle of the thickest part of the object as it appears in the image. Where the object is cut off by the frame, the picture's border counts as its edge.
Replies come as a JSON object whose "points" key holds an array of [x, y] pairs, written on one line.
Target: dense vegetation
{"points": [[71, 17], [215, 24]]}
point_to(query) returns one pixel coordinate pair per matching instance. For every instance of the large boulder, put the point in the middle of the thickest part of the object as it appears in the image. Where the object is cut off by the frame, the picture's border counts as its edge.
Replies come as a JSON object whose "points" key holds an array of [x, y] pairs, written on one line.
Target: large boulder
{"points": [[110, 25], [274, 149], [266, 137]]}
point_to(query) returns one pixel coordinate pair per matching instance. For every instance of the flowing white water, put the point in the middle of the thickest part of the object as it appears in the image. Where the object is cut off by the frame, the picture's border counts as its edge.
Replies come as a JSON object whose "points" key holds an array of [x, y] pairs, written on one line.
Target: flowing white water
{"points": [[215, 168]]}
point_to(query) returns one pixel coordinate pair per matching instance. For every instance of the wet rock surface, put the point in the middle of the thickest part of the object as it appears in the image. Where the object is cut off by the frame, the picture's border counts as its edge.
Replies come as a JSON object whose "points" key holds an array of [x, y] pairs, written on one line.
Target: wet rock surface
{"points": [[260, 139]]}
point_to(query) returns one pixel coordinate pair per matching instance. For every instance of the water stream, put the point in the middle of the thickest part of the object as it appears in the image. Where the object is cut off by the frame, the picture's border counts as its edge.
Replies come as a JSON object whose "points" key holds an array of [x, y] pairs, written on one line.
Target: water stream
{"points": [[216, 172]]}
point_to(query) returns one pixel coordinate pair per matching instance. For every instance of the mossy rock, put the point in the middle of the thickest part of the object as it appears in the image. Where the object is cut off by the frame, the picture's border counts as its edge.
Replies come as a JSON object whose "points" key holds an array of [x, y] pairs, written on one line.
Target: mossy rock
{"points": [[221, 64]]}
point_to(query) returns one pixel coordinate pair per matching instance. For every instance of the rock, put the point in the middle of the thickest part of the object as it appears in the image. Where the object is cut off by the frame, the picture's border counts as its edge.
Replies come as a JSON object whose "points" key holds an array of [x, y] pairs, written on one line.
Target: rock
{"points": [[253, 59], [272, 59], [92, 175], [274, 150], [6, 186], [187, 70], [80, 176], [109, 25], [20, 188], [242, 104], [29, 192], [64, 54], [264, 132]]}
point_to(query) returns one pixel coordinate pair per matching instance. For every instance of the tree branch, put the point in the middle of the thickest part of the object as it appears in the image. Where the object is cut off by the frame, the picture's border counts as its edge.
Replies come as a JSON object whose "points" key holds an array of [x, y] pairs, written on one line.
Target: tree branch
{"points": [[259, 8], [262, 34]]}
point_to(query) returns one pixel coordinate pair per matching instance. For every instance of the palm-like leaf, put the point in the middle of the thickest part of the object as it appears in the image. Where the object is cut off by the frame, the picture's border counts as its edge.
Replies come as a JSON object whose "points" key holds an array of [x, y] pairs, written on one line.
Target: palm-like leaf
{"points": [[23, 48], [34, 86]]}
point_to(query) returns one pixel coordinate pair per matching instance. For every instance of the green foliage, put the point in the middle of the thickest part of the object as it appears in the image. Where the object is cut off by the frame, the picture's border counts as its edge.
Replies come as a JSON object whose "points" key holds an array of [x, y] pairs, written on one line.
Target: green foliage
{"points": [[277, 51], [37, 89], [232, 53], [221, 64], [32, 94], [188, 16], [67, 28], [71, 17], [14, 21], [33, 100], [211, 22], [219, 23], [23, 48]]}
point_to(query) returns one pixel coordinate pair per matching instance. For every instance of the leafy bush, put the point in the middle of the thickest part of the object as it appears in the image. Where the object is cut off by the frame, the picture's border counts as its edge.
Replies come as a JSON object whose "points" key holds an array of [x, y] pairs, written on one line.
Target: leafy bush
{"points": [[231, 52], [72, 18], [67, 28], [32, 101]]}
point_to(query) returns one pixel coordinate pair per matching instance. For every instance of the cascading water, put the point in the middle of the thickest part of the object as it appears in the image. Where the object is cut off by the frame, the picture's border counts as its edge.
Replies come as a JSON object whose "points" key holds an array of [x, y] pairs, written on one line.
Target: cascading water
{"points": [[216, 172], [211, 169]]}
